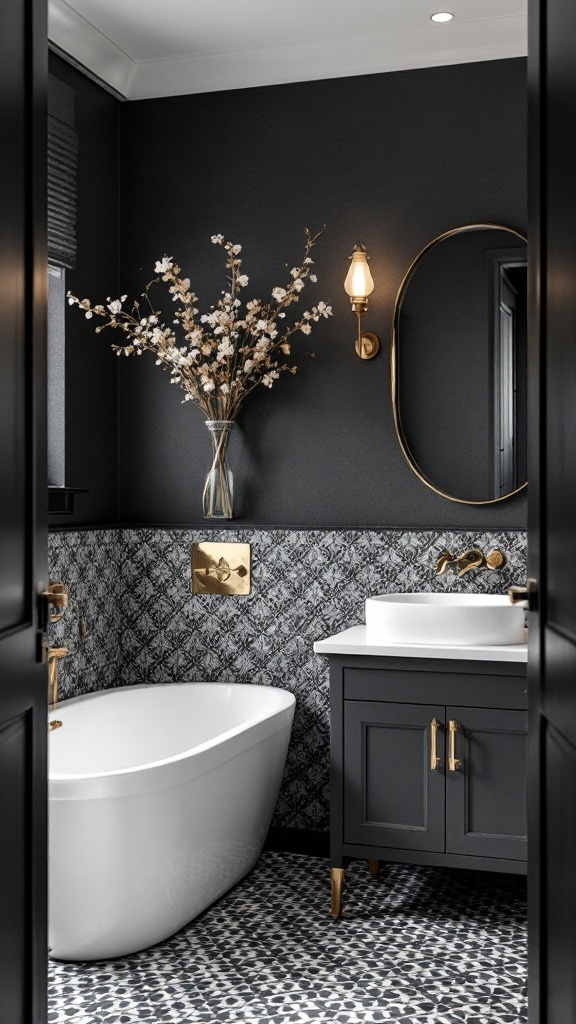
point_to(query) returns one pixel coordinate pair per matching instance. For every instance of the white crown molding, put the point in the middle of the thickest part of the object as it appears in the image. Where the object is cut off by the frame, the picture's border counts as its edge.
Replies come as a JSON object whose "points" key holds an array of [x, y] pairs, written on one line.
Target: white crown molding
{"points": [[71, 34], [455, 43]]}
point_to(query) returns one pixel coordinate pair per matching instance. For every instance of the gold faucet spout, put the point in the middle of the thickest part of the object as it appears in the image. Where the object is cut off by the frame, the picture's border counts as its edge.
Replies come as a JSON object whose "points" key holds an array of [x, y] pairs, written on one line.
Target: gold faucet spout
{"points": [[471, 559], [54, 656]]}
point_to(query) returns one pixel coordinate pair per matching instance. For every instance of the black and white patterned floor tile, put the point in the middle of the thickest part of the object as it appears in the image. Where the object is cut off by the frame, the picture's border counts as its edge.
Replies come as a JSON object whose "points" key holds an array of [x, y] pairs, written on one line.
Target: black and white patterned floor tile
{"points": [[415, 946]]}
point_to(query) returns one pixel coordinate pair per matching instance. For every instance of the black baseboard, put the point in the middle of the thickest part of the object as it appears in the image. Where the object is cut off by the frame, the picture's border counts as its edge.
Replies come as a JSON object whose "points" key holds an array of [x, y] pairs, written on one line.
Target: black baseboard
{"points": [[298, 840]]}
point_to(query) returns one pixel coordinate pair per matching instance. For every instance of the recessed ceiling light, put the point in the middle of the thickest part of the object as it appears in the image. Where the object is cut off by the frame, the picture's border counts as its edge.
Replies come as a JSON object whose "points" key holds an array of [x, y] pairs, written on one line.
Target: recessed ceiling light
{"points": [[441, 16]]}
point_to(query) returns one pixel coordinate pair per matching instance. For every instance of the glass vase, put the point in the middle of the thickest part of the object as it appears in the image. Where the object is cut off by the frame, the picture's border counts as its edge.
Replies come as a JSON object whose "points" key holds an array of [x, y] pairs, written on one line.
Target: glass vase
{"points": [[217, 494]]}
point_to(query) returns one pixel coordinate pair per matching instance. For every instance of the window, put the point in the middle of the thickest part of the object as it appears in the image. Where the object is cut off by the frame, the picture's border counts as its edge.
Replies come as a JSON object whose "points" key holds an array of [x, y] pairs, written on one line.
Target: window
{"points": [[56, 375], [62, 160]]}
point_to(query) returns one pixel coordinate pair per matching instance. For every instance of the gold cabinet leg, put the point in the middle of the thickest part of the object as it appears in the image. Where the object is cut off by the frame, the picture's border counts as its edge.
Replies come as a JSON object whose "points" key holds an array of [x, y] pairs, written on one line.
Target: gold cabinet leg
{"points": [[337, 876], [374, 867]]}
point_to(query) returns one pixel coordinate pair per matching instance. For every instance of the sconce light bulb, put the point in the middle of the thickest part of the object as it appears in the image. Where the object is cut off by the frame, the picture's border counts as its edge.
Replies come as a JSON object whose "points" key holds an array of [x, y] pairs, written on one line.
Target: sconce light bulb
{"points": [[359, 283]]}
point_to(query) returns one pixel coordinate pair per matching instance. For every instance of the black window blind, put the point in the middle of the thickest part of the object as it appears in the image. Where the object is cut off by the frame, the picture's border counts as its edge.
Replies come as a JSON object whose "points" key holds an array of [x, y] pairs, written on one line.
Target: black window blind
{"points": [[62, 161]]}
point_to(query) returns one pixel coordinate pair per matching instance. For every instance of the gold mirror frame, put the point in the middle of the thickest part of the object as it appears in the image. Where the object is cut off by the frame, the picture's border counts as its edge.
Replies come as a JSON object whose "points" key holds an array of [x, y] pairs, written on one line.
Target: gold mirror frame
{"points": [[394, 381]]}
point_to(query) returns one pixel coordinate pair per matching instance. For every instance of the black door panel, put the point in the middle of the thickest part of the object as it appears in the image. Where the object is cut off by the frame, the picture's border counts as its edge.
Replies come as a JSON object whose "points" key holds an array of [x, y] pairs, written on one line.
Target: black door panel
{"points": [[23, 492], [551, 512], [560, 920]]}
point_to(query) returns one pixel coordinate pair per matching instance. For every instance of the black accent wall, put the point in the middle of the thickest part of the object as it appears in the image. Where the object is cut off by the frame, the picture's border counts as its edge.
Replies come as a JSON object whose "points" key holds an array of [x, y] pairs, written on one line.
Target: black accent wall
{"points": [[91, 373], [393, 160]]}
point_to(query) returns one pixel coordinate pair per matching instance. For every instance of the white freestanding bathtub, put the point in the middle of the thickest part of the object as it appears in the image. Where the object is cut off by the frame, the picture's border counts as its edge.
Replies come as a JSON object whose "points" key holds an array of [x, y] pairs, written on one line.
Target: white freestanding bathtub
{"points": [[160, 798]]}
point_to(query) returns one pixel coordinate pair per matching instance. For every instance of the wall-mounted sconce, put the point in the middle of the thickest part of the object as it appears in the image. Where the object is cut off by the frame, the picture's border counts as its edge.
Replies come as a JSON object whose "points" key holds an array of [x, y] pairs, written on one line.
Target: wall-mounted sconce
{"points": [[359, 285]]}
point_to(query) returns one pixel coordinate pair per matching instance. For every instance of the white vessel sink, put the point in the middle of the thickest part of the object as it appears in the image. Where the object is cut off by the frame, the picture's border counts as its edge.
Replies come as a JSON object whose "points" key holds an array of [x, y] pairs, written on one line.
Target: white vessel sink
{"points": [[461, 620]]}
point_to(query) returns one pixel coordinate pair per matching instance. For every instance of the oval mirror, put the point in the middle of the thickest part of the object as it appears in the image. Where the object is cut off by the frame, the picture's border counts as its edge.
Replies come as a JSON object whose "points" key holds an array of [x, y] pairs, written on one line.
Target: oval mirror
{"points": [[459, 347]]}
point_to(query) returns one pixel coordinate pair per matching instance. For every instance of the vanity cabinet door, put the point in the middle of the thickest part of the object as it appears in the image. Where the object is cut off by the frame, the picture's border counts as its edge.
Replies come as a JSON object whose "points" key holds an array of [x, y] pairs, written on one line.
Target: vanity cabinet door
{"points": [[486, 789], [392, 797]]}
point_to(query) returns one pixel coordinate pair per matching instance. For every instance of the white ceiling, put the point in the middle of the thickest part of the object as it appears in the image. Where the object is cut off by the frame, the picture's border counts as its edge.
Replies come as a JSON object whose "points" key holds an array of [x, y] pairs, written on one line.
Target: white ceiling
{"points": [[147, 48]]}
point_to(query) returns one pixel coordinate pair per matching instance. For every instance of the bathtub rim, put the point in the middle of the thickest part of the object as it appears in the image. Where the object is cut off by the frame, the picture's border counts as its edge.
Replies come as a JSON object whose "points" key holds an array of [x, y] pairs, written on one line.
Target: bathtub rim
{"points": [[57, 779]]}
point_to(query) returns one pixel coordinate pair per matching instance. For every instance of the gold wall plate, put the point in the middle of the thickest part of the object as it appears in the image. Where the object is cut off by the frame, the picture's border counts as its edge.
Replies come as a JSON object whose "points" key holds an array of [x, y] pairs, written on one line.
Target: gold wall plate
{"points": [[221, 568]]}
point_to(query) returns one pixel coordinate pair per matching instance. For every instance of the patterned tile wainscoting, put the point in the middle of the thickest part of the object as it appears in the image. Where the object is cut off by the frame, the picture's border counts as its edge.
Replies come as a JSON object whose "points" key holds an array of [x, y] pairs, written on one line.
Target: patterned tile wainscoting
{"points": [[145, 625]]}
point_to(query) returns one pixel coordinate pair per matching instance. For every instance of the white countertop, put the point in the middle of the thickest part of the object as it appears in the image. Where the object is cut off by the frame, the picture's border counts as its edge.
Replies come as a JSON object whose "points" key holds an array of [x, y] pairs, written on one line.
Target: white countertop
{"points": [[354, 641]]}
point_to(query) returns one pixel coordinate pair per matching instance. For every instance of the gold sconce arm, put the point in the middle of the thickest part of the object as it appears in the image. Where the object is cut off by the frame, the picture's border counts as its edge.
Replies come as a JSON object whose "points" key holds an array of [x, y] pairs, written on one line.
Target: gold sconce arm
{"points": [[359, 306]]}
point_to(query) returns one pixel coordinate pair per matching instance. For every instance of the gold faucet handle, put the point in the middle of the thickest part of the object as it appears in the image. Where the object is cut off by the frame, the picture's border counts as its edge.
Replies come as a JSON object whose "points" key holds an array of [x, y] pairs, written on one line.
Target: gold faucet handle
{"points": [[495, 559]]}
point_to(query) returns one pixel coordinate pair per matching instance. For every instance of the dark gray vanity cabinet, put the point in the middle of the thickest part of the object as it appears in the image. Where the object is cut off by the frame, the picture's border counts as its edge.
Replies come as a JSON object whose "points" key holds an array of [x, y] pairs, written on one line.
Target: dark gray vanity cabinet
{"points": [[486, 791], [428, 763], [388, 741]]}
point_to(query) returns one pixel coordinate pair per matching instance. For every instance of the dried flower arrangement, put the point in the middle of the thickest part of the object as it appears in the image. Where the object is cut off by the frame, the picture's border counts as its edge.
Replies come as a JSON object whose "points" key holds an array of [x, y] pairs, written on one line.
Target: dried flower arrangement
{"points": [[227, 352]]}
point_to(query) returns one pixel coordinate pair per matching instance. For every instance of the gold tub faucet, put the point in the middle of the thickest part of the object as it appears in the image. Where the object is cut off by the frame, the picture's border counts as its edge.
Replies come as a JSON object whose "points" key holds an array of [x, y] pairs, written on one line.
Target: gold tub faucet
{"points": [[56, 600], [54, 655]]}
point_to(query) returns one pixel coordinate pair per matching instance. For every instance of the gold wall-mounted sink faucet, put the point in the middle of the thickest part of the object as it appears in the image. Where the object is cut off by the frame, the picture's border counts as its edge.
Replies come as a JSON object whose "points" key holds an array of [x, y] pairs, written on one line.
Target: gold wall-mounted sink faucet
{"points": [[471, 559]]}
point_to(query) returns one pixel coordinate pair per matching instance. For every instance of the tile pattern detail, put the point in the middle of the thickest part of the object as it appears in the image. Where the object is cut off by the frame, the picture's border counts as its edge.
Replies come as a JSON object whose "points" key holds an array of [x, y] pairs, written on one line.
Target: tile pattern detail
{"points": [[145, 625], [414, 946]]}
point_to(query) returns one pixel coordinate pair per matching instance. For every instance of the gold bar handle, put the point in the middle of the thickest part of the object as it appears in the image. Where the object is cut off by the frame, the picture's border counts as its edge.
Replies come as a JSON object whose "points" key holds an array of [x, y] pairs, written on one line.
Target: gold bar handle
{"points": [[434, 759], [453, 762]]}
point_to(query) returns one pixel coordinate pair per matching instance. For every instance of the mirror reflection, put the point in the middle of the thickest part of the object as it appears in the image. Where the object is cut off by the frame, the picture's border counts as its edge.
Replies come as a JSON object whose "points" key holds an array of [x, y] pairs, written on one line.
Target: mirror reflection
{"points": [[459, 364]]}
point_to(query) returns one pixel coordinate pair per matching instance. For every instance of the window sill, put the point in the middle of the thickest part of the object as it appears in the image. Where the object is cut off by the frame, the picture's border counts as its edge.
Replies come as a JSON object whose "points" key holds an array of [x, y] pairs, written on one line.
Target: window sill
{"points": [[61, 500]]}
